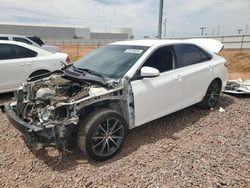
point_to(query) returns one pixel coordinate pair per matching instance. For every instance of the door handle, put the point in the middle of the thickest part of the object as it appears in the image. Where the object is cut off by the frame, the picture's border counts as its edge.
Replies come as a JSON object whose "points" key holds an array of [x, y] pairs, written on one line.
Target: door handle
{"points": [[27, 63], [179, 78], [210, 67], [22, 64]]}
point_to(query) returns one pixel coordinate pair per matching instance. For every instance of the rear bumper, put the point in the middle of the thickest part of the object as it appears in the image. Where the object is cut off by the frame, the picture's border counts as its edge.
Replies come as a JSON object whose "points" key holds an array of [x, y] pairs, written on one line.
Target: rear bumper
{"points": [[38, 137]]}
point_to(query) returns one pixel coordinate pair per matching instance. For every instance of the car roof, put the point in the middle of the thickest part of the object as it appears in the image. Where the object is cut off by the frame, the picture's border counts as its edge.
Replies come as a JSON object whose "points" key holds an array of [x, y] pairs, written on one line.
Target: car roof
{"points": [[10, 35], [211, 45], [147, 42], [34, 48]]}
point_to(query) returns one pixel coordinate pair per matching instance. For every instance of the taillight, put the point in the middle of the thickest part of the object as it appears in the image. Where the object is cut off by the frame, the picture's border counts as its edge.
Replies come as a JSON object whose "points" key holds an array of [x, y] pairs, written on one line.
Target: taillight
{"points": [[68, 60], [226, 64]]}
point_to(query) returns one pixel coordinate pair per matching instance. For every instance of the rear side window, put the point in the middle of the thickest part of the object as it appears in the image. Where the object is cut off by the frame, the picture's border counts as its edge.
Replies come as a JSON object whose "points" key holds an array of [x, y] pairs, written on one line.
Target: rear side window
{"points": [[5, 51], [191, 54], [4, 38], [21, 52], [18, 39], [8, 51], [37, 40]]}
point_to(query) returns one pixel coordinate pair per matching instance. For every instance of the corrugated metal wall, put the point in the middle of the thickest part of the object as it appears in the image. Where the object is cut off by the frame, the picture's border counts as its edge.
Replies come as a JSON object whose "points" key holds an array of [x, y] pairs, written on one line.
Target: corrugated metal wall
{"points": [[66, 33], [43, 32]]}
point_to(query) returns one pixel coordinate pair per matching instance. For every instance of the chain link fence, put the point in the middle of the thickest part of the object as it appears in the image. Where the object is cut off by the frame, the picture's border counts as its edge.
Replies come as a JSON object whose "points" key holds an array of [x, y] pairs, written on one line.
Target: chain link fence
{"points": [[79, 47]]}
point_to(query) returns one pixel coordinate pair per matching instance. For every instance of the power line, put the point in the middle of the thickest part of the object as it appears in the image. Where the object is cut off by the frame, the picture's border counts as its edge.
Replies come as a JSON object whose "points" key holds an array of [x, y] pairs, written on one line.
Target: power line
{"points": [[114, 13]]}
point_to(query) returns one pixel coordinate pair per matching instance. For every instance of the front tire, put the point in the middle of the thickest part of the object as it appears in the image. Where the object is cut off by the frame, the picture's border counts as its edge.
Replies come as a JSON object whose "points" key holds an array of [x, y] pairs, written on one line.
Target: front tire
{"points": [[212, 95], [102, 134]]}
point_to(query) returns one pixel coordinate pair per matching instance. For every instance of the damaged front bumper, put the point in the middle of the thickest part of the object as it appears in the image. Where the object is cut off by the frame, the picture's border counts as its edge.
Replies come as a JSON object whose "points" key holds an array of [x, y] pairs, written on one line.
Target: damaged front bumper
{"points": [[41, 137]]}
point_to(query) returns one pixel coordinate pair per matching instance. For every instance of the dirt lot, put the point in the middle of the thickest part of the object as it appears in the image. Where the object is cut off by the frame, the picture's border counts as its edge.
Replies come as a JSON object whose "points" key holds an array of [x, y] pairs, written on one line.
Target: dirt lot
{"points": [[190, 148], [239, 63]]}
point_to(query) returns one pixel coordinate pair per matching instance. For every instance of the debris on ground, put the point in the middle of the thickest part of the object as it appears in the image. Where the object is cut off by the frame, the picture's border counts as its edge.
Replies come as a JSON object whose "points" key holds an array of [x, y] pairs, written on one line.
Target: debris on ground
{"points": [[237, 87], [221, 109]]}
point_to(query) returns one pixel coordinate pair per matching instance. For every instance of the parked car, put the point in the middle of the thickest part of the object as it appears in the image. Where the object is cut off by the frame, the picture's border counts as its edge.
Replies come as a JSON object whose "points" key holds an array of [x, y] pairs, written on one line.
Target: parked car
{"points": [[32, 40], [19, 61], [116, 88]]}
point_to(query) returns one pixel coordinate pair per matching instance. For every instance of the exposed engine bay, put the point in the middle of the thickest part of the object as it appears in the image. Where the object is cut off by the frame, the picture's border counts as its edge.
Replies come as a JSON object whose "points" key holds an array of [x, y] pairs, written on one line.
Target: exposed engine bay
{"points": [[51, 106], [38, 102]]}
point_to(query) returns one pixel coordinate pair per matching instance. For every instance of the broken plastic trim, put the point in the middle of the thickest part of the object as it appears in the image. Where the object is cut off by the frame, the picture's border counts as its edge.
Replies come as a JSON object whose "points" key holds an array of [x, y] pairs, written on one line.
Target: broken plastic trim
{"points": [[237, 87]]}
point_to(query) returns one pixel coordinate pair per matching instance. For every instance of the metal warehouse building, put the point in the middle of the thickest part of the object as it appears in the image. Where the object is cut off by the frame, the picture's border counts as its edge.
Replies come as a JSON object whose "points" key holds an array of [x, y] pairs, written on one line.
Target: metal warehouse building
{"points": [[65, 33]]}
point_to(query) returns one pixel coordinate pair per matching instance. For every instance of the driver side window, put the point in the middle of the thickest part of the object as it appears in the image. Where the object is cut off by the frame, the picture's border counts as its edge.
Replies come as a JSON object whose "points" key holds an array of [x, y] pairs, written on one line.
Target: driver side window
{"points": [[162, 59]]}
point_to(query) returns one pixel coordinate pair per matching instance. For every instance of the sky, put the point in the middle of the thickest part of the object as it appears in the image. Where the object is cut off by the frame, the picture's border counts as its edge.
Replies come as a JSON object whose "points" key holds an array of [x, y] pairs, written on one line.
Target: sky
{"points": [[184, 17]]}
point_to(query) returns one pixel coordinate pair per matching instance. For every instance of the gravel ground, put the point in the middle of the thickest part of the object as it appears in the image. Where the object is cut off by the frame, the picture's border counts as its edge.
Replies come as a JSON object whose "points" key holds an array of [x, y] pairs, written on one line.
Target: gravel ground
{"points": [[190, 148]]}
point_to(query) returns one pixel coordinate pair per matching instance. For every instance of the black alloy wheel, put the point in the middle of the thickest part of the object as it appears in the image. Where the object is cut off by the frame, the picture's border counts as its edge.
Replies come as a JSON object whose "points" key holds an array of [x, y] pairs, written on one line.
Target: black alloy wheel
{"points": [[103, 134]]}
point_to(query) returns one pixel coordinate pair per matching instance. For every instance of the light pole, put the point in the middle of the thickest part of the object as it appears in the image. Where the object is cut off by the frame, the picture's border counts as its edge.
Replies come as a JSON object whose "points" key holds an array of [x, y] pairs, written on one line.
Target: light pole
{"points": [[165, 26], [239, 30], [218, 30], [202, 30], [160, 19]]}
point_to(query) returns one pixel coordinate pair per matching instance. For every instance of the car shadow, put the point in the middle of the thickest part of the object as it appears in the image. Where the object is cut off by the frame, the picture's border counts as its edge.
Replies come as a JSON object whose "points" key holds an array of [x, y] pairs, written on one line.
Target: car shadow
{"points": [[239, 95], [163, 128], [6, 96]]}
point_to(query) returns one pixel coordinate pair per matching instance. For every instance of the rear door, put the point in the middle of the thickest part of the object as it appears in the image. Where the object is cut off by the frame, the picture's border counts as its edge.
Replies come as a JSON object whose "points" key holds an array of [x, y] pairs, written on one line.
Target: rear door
{"points": [[196, 72], [157, 96], [15, 62]]}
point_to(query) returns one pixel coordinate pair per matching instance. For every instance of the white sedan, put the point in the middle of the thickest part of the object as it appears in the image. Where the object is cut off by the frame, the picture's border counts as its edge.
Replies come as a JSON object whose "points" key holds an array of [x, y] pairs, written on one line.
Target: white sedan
{"points": [[116, 88], [19, 61]]}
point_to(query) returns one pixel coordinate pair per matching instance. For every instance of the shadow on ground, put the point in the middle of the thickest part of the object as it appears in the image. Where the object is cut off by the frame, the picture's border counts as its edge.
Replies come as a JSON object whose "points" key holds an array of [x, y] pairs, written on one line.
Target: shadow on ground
{"points": [[164, 127]]}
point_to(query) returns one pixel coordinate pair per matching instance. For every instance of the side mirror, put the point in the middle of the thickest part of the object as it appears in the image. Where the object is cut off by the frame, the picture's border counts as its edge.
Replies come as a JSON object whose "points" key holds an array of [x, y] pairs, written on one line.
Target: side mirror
{"points": [[149, 72]]}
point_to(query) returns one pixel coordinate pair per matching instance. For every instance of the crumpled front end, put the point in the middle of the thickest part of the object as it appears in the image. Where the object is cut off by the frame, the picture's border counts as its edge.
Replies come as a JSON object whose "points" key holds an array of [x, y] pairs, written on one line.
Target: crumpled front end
{"points": [[45, 110], [38, 136]]}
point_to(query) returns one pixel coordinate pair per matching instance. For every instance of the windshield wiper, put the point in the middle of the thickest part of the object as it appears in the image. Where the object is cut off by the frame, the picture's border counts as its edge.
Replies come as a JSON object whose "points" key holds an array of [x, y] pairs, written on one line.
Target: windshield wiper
{"points": [[90, 72]]}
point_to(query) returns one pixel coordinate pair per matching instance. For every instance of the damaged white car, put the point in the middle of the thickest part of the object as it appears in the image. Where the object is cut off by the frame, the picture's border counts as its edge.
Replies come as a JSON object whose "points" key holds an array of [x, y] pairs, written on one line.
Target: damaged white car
{"points": [[118, 87]]}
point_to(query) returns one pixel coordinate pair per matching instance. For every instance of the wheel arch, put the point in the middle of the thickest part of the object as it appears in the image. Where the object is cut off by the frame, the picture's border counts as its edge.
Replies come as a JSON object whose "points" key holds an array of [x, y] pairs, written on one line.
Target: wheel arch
{"points": [[117, 105], [39, 71], [219, 80]]}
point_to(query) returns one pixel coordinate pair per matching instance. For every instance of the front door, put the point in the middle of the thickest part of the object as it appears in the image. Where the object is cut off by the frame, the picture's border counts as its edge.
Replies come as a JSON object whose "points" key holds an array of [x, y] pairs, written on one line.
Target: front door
{"points": [[158, 96]]}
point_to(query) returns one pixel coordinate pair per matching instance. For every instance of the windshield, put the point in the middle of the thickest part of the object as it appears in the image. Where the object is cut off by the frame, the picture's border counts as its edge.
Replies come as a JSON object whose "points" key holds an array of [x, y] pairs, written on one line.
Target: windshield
{"points": [[111, 60]]}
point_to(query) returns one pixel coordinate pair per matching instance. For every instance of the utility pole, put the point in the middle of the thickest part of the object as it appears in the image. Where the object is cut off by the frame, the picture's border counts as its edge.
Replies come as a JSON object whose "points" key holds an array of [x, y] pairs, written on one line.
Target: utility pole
{"points": [[213, 33], [165, 26], [218, 30], [239, 30], [160, 19], [246, 28], [202, 30]]}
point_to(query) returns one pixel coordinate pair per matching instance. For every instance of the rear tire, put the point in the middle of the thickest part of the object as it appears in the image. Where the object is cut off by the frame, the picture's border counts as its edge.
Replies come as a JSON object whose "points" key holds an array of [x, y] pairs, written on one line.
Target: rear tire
{"points": [[102, 134], [212, 95]]}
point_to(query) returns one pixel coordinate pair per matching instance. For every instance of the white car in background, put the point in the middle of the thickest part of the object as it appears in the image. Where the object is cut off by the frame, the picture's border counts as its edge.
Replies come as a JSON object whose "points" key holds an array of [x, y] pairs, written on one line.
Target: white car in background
{"points": [[19, 61], [116, 88], [34, 41]]}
